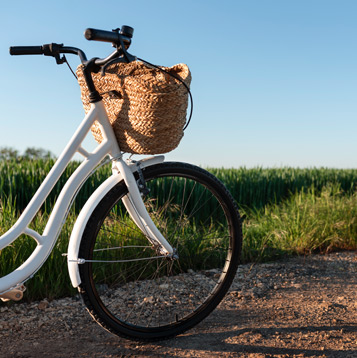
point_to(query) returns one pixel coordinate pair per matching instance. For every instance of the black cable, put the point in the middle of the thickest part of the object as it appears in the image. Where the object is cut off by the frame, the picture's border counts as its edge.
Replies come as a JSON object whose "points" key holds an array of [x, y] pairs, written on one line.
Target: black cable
{"points": [[65, 60], [179, 79]]}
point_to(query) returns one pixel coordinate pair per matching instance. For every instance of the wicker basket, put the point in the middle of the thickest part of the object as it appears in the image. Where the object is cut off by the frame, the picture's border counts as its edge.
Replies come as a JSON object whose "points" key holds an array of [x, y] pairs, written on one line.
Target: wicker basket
{"points": [[150, 114]]}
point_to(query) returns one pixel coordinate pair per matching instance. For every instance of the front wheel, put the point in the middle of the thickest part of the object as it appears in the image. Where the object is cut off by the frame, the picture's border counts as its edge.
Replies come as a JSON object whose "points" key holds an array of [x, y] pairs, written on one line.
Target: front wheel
{"points": [[132, 290]]}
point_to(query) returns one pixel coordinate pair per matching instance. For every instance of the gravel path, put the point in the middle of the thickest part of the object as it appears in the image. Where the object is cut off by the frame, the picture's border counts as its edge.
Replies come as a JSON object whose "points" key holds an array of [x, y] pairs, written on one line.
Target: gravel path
{"points": [[301, 307]]}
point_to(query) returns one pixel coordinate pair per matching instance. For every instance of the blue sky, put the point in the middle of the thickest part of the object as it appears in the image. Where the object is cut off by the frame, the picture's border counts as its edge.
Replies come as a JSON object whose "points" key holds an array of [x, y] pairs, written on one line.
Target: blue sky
{"points": [[274, 82]]}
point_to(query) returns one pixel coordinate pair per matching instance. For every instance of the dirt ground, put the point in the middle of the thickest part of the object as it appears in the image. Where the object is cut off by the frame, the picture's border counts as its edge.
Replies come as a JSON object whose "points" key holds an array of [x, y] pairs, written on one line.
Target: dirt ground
{"points": [[301, 307]]}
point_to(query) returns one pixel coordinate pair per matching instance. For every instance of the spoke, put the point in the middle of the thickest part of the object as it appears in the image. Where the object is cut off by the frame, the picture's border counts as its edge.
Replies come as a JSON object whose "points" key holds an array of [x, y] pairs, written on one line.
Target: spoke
{"points": [[169, 285], [179, 222], [121, 247], [189, 197], [198, 285], [131, 260], [169, 195], [122, 223], [131, 270], [154, 278]]}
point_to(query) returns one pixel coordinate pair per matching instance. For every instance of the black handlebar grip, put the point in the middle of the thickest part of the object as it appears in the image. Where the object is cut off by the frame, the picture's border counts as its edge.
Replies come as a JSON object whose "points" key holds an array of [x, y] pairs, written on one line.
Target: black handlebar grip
{"points": [[26, 50], [126, 33], [101, 35]]}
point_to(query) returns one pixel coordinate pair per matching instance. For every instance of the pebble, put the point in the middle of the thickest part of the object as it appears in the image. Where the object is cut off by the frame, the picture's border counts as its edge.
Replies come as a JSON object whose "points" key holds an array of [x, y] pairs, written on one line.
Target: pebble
{"points": [[43, 305]]}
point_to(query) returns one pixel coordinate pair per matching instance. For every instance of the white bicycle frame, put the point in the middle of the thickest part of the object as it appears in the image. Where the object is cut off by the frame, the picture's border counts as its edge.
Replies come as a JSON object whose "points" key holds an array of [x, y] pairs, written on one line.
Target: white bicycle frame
{"points": [[132, 202]]}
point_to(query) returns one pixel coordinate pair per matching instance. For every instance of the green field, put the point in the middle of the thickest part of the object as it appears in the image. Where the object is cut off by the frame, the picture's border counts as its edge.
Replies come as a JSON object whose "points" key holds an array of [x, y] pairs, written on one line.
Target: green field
{"points": [[252, 188], [285, 211]]}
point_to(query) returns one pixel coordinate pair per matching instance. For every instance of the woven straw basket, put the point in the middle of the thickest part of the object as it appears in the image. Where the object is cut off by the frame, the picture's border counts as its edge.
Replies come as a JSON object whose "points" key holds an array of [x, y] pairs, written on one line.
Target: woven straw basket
{"points": [[150, 114]]}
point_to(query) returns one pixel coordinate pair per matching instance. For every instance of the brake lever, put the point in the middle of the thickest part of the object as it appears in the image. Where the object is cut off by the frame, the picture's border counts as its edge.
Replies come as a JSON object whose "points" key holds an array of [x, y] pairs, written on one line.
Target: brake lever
{"points": [[60, 60], [54, 51]]}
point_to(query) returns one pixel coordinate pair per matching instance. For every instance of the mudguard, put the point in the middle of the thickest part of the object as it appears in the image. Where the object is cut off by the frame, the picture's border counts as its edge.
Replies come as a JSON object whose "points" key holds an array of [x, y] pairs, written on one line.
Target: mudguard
{"points": [[76, 236]]}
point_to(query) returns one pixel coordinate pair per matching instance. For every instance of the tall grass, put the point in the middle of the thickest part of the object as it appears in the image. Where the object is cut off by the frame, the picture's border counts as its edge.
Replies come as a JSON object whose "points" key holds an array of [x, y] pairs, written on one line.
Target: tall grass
{"points": [[253, 188], [19, 182], [257, 187], [305, 223]]}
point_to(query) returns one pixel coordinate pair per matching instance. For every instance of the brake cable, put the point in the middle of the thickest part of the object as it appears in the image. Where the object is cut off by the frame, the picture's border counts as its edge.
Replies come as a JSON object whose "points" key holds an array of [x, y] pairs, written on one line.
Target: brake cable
{"points": [[69, 66]]}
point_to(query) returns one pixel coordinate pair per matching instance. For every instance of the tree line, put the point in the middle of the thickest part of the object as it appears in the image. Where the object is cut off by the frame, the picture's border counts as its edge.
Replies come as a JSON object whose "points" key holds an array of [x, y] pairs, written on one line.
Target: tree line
{"points": [[31, 153]]}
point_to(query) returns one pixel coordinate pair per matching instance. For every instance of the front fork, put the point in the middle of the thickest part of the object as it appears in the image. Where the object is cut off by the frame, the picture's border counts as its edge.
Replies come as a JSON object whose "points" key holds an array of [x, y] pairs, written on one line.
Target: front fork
{"points": [[137, 211]]}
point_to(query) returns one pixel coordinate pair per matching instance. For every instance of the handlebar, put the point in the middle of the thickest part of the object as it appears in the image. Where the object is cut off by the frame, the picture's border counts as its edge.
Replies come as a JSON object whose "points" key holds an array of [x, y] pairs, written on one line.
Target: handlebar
{"points": [[53, 50], [120, 38]]}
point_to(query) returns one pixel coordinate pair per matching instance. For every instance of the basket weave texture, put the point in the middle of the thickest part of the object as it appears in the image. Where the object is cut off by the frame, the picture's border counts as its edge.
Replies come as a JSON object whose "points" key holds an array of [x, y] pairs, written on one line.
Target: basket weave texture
{"points": [[151, 113]]}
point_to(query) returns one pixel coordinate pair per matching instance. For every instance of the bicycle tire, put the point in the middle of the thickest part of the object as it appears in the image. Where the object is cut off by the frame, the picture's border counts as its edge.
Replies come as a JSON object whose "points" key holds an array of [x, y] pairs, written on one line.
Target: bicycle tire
{"points": [[162, 297]]}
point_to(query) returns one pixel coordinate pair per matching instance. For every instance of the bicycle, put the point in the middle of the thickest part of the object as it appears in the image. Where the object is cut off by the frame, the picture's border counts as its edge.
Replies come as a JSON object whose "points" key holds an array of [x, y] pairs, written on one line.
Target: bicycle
{"points": [[156, 246]]}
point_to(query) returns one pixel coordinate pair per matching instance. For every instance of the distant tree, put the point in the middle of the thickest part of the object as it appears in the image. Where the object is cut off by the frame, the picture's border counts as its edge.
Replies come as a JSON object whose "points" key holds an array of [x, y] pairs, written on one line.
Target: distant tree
{"points": [[7, 153], [37, 153]]}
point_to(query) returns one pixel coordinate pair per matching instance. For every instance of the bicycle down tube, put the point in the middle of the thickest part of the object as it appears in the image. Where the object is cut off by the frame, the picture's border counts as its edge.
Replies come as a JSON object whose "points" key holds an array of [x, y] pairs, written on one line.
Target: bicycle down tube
{"points": [[46, 241]]}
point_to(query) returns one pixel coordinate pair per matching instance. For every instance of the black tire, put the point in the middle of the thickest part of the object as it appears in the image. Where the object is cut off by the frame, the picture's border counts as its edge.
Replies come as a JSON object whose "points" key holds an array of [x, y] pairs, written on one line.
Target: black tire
{"points": [[159, 298]]}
